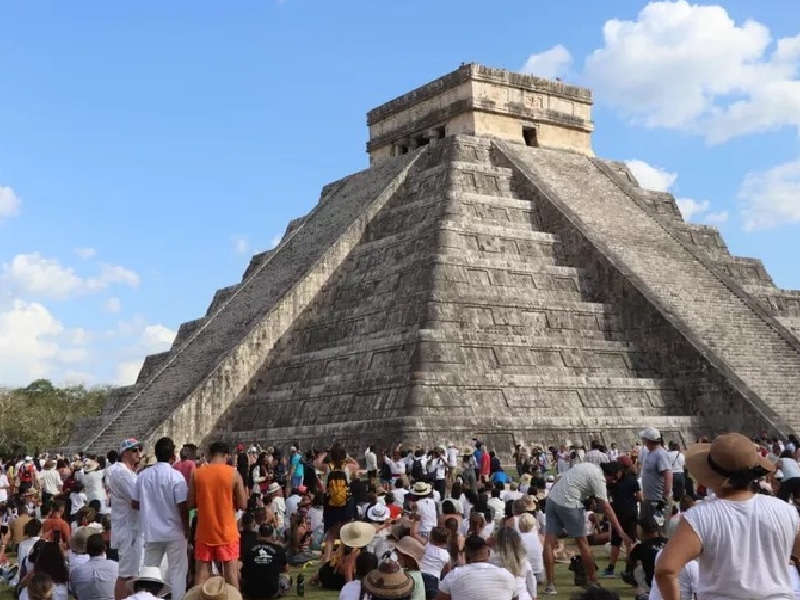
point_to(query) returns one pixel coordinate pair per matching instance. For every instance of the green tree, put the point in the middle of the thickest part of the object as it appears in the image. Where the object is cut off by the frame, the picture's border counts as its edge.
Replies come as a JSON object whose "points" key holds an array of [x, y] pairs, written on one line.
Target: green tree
{"points": [[42, 415]]}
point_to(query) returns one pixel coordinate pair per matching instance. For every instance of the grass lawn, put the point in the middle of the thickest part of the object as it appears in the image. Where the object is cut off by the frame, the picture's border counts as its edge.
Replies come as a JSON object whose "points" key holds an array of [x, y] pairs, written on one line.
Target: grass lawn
{"points": [[563, 580]]}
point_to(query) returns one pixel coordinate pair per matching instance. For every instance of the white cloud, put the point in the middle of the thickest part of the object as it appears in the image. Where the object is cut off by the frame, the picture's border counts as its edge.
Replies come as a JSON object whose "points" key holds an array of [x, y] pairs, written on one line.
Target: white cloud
{"points": [[9, 203], [650, 177], [46, 277], [549, 64], [151, 340], [127, 372], [113, 305], [661, 180], [771, 198], [241, 245], [85, 252], [693, 68], [33, 343]]}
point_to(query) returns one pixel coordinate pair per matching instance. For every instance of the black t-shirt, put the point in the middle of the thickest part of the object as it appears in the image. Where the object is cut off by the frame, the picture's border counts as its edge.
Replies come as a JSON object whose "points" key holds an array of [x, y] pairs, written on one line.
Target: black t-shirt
{"points": [[623, 496], [247, 540], [645, 552], [360, 491], [261, 570]]}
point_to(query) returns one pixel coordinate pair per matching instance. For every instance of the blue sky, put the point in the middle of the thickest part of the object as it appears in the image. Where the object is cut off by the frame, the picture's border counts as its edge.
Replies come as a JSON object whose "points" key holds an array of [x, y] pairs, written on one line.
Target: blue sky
{"points": [[148, 149]]}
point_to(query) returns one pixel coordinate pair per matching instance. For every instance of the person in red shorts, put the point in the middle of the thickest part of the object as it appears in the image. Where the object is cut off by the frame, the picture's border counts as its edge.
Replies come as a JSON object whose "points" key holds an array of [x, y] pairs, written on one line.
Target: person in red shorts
{"points": [[216, 490]]}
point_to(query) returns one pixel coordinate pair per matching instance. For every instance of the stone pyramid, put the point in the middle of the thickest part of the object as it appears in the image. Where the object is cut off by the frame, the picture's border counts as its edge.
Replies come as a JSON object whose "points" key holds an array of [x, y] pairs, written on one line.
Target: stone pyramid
{"points": [[486, 277]]}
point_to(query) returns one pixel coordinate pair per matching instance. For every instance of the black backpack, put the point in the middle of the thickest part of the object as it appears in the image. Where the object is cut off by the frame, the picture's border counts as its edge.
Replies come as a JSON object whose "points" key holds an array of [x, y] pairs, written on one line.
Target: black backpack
{"points": [[386, 472], [416, 470]]}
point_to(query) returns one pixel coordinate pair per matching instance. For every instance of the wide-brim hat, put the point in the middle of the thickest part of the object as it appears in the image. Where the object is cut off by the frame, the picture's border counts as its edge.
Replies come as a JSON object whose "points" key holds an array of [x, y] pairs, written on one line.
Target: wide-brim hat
{"points": [[273, 487], [530, 503], [421, 488], [152, 574], [410, 546], [525, 479], [378, 513], [388, 581], [357, 534], [727, 456], [215, 588], [467, 451]]}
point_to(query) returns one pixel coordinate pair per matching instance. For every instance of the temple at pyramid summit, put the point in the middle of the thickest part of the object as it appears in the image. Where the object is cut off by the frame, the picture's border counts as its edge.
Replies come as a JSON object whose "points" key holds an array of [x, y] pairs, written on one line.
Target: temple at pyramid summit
{"points": [[487, 276]]}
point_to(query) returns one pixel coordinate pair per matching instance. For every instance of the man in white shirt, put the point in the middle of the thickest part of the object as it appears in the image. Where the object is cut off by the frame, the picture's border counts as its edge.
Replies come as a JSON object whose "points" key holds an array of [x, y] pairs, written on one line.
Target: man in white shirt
{"points": [[478, 579], [160, 497], [49, 482], [126, 535], [677, 462]]}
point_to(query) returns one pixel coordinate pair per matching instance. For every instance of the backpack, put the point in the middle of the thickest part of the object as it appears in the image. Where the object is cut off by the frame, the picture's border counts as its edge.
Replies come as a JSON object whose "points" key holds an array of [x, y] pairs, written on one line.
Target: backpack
{"points": [[416, 470], [26, 474], [337, 493]]}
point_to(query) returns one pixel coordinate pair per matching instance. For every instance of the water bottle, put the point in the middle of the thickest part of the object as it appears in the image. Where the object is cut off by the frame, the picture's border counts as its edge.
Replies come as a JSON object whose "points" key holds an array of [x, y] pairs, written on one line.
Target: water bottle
{"points": [[301, 585]]}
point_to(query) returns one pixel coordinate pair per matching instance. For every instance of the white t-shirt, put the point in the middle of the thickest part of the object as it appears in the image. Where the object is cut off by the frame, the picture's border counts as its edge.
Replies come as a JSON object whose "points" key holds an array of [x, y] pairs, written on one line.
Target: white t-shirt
{"points": [[77, 500], [351, 591], [159, 489], [50, 480], [789, 467], [534, 550], [452, 456], [677, 461], [427, 512], [3, 488], [397, 468], [578, 484], [371, 460], [434, 559], [687, 581], [759, 533], [479, 581], [399, 495]]}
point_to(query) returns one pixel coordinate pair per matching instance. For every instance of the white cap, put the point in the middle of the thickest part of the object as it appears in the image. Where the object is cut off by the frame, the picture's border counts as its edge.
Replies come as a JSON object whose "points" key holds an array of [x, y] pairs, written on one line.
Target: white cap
{"points": [[651, 434]]}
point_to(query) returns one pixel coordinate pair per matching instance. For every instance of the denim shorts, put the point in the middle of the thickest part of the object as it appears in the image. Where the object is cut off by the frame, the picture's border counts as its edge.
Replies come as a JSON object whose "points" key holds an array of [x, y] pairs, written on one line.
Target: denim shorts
{"points": [[562, 518]]}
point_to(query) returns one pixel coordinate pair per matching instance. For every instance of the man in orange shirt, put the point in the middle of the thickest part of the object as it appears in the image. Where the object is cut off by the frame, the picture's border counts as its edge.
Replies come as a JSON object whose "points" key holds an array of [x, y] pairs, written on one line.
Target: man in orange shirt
{"points": [[54, 523], [216, 490]]}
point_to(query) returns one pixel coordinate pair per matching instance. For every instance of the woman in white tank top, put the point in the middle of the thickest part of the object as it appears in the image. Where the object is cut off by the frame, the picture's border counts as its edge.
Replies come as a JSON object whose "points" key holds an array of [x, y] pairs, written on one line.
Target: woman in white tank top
{"points": [[741, 540]]}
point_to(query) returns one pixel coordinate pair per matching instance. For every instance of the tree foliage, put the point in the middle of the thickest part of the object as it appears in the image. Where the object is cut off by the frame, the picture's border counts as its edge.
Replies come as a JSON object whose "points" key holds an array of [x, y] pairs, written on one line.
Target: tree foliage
{"points": [[42, 415]]}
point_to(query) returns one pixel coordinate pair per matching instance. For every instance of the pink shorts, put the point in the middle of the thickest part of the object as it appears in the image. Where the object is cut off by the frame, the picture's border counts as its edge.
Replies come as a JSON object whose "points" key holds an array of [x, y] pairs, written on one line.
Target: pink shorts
{"points": [[225, 553]]}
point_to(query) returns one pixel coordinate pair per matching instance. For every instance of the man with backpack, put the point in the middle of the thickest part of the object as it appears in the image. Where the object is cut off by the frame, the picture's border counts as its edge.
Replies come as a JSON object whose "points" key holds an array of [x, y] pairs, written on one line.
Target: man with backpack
{"points": [[338, 507]]}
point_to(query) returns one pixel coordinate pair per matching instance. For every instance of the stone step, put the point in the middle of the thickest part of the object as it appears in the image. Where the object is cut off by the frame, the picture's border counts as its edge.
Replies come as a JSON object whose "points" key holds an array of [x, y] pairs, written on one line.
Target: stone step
{"points": [[752, 352], [211, 371]]}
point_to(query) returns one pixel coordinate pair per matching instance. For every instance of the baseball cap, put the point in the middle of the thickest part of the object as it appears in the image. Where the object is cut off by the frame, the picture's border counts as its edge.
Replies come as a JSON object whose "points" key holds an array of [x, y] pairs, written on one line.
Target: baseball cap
{"points": [[651, 434], [129, 444], [240, 447], [625, 460]]}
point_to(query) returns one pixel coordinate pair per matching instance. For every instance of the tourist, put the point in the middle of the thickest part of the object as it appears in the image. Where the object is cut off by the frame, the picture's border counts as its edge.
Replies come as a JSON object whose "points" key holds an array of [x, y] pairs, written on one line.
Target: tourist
{"points": [[92, 478], [49, 482], [339, 506], [16, 527], [677, 464], [48, 559], [160, 497], [296, 469], [565, 512], [147, 585], [55, 528], [365, 562], [478, 579], [40, 587], [435, 560], [96, 578], [186, 465], [216, 490], [656, 478], [529, 534], [215, 588], [789, 488], [509, 553], [625, 497], [126, 536], [409, 551], [595, 455], [78, 546], [265, 567], [742, 539], [689, 577], [425, 507], [371, 464], [390, 582]]}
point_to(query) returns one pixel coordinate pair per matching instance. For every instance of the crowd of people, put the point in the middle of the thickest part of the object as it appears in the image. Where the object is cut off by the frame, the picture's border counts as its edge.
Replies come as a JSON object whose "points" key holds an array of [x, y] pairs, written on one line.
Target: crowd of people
{"points": [[718, 520]]}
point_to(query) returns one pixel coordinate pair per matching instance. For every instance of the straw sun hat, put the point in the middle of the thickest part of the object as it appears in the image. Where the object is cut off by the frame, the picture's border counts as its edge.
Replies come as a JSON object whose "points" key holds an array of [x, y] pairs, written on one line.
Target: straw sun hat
{"points": [[357, 534], [388, 581], [214, 588], [730, 459]]}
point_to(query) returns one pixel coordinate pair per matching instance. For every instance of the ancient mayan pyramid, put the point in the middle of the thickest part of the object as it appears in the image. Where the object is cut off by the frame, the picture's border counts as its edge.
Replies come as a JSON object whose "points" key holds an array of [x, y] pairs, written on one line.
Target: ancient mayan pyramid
{"points": [[486, 276]]}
